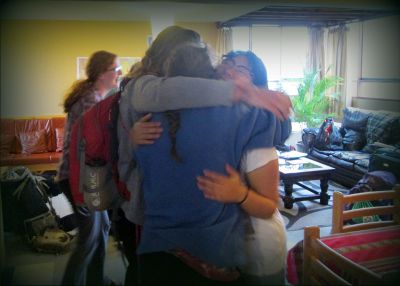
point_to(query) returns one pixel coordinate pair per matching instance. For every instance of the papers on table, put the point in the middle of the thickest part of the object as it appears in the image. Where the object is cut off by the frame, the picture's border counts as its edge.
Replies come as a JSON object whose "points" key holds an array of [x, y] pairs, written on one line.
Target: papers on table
{"points": [[291, 155]]}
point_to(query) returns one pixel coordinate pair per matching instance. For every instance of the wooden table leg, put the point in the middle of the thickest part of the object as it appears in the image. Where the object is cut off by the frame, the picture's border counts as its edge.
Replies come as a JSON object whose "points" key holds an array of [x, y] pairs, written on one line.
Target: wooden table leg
{"points": [[324, 197], [288, 198]]}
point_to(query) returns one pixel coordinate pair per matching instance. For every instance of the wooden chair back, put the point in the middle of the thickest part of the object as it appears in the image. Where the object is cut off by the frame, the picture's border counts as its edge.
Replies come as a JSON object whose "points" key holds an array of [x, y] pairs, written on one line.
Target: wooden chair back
{"points": [[340, 215], [318, 261]]}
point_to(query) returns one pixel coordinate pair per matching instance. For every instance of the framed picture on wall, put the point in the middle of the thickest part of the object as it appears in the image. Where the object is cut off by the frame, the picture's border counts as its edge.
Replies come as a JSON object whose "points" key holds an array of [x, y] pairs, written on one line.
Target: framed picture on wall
{"points": [[126, 63]]}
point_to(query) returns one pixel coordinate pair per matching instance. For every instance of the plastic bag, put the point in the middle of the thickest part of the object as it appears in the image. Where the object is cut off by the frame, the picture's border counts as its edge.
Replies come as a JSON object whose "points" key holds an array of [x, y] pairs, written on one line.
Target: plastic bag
{"points": [[322, 141], [364, 219]]}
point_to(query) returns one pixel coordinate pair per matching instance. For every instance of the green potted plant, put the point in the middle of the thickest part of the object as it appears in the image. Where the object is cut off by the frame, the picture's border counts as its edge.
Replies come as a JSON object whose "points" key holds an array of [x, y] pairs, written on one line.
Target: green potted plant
{"points": [[311, 105]]}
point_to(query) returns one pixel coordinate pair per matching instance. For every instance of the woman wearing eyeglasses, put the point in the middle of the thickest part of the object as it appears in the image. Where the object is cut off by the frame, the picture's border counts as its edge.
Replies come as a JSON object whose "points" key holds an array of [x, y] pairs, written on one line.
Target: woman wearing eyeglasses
{"points": [[85, 265]]}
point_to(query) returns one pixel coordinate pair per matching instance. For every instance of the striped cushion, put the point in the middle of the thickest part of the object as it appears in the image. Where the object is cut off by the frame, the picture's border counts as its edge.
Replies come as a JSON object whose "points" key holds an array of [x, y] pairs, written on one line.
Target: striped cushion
{"points": [[384, 128], [355, 119]]}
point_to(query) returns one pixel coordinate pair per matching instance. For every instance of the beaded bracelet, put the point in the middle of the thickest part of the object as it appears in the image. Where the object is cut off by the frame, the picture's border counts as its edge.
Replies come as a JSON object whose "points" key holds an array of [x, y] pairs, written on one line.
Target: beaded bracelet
{"points": [[245, 197]]}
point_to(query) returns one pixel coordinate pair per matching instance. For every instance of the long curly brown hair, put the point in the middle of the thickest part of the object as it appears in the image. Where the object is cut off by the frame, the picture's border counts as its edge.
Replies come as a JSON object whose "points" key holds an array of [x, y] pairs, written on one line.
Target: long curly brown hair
{"points": [[160, 49], [99, 62], [192, 60], [154, 63]]}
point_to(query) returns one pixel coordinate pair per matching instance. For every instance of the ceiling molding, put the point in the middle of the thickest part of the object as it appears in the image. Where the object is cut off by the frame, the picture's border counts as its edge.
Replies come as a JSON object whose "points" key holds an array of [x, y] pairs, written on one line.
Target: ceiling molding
{"points": [[225, 12], [308, 15]]}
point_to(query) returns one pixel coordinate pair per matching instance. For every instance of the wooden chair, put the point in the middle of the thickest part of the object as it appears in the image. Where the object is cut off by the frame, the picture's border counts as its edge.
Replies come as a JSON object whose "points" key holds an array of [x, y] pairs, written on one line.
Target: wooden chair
{"points": [[318, 258], [340, 215]]}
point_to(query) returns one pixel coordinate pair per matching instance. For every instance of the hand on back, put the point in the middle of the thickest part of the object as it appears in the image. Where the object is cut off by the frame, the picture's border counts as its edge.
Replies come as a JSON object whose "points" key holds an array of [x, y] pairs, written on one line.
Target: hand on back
{"points": [[144, 131], [223, 188]]}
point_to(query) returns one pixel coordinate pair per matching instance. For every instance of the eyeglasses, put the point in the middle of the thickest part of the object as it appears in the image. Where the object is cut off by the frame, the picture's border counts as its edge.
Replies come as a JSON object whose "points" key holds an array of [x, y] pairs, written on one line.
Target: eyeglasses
{"points": [[244, 69], [115, 69], [240, 68]]}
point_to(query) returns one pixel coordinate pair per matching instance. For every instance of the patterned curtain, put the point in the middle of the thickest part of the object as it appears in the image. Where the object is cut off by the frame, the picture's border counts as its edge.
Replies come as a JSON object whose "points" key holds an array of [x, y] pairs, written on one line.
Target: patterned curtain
{"points": [[224, 41], [336, 59]]}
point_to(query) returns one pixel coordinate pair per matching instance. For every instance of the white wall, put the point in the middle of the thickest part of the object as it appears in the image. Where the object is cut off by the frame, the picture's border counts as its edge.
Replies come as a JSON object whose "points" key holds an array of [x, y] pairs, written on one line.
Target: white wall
{"points": [[373, 64]]}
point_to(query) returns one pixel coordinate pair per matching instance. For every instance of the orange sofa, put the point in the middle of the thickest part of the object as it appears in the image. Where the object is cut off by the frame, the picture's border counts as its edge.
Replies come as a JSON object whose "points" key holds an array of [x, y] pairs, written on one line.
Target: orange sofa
{"points": [[34, 142]]}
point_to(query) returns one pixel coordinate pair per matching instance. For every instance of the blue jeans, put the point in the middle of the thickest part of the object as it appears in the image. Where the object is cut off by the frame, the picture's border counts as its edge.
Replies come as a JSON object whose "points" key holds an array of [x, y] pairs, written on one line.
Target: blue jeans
{"points": [[86, 263]]}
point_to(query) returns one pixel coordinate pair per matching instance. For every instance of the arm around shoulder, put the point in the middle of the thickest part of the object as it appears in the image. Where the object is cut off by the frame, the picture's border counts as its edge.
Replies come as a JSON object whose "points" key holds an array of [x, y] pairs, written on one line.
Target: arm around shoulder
{"points": [[156, 94]]}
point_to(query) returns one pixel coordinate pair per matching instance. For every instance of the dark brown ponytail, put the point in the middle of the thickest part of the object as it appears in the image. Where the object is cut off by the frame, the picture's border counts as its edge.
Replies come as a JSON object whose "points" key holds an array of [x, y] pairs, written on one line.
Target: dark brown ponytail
{"points": [[188, 59], [174, 122]]}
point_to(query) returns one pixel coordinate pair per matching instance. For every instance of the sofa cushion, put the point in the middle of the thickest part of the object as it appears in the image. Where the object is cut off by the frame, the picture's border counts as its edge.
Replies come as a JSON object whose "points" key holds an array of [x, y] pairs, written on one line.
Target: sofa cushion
{"points": [[59, 139], [56, 122], [17, 126], [384, 128], [32, 125], [361, 168], [7, 127], [363, 163], [30, 159], [322, 155], [6, 143], [351, 160], [33, 142], [339, 162], [353, 140], [351, 156], [355, 119]]}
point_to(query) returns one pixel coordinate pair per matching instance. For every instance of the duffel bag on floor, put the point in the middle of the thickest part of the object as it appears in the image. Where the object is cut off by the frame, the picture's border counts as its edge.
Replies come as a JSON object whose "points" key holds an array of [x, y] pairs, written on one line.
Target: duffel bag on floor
{"points": [[386, 159]]}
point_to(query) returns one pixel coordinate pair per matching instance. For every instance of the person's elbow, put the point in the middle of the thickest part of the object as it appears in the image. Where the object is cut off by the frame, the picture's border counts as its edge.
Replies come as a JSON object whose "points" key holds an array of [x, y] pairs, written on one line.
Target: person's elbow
{"points": [[270, 208]]}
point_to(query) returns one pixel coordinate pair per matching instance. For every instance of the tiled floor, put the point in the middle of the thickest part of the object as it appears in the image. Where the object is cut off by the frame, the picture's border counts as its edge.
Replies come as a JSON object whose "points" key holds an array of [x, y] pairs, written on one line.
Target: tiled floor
{"points": [[24, 266], [27, 267]]}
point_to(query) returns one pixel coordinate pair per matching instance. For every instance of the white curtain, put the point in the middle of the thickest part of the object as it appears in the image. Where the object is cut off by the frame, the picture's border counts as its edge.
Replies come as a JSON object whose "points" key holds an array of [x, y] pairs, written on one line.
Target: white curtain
{"points": [[336, 61], [224, 41], [316, 58]]}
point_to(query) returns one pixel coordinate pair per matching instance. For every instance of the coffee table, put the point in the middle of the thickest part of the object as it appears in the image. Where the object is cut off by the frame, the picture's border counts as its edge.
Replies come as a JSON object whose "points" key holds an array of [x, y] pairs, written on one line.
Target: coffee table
{"points": [[304, 169]]}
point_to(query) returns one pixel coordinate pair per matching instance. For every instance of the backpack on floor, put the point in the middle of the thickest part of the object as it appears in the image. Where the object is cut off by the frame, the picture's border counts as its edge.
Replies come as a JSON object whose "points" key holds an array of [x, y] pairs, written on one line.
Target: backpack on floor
{"points": [[53, 240], [93, 158], [372, 181], [28, 210]]}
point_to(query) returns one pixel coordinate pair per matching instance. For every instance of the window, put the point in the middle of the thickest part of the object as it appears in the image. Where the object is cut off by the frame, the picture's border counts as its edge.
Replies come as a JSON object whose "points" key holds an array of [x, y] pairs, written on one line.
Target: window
{"points": [[282, 49], [241, 38]]}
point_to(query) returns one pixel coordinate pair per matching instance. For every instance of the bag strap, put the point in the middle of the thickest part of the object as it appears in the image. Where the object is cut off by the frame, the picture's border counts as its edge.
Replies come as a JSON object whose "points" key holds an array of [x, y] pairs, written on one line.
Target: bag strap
{"points": [[98, 120], [124, 83], [81, 154]]}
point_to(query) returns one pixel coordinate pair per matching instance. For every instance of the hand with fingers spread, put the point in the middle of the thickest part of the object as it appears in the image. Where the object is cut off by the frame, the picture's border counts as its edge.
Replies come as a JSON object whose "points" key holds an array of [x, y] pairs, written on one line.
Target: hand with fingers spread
{"points": [[144, 131], [250, 88], [223, 188]]}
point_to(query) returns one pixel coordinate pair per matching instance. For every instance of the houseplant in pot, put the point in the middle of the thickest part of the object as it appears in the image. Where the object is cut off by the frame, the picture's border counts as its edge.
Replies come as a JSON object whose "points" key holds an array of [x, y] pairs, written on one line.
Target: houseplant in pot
{"points": [[311, 105]]}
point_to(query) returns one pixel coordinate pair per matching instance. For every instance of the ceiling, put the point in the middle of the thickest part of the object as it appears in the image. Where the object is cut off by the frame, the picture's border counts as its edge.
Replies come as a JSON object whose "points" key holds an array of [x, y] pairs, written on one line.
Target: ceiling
{"points": [[225, 12], [308, 15]]}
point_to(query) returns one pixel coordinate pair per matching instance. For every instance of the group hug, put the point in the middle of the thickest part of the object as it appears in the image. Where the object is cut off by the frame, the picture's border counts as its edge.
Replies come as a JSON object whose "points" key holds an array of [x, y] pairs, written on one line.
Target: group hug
{"points": [[197, 151]]}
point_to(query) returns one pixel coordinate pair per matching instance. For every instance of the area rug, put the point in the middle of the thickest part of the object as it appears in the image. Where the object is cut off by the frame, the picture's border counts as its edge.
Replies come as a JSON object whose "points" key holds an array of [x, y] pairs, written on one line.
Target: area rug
{"points": [[310, 212]]}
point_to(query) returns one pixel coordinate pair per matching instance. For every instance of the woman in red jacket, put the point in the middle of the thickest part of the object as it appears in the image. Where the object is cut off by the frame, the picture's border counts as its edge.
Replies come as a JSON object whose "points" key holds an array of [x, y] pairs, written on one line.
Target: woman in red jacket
{"points": [[85, 265]]}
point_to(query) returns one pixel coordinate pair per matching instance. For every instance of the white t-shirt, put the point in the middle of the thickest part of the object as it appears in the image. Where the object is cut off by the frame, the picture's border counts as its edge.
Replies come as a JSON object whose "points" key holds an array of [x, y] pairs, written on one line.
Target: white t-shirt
{"points": [[266, 245]]}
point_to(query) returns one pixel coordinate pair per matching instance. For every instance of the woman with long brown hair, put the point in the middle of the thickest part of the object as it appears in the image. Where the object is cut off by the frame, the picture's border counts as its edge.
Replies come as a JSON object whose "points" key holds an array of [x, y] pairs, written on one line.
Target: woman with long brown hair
{"points": [[85, 265], [186, 237], [265, 257]]}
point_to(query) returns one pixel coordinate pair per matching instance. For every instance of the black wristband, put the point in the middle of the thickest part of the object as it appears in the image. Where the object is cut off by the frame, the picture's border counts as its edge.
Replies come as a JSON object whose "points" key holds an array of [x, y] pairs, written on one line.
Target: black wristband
{"points": [[245, 197]]}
